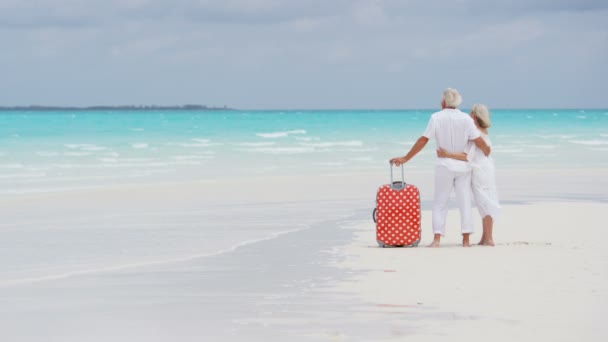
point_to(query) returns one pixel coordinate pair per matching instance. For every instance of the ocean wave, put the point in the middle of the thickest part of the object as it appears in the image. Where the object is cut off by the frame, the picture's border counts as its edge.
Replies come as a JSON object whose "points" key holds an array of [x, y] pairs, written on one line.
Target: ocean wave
{"points": [[256, 144], [369, 149], [47, 153], [136, 129], [406, 143], [308, 138], [280, 150], [22, 175], [329, 164], [599, 149], [362, 159], [93, 148], [334, 144], [86, 147], [281, 134], [192, 157], [201, 140], [581, 117], [11, 166], [140, 145], [589, 142], [195, 144], [544, 146], [77, 154], [507, 150], [557, 136]]}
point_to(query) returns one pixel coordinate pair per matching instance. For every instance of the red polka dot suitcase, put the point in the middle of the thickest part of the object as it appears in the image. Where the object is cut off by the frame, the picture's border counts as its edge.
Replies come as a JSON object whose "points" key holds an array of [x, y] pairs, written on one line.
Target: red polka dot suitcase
{"points": [[397, 214]]}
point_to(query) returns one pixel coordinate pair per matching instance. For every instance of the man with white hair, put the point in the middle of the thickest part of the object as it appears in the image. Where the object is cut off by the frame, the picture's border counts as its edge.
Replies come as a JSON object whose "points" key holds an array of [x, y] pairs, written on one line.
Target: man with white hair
{"points": [[452, 130]]}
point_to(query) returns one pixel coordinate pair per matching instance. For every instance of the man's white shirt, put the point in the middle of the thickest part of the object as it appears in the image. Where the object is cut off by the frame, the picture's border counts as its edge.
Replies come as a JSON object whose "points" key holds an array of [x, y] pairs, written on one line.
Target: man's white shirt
{"points": [[452, 130]]}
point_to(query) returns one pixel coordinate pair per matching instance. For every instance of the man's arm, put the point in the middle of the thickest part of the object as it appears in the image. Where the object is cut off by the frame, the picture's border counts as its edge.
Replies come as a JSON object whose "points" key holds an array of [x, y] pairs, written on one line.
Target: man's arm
{"points": [[418, 146], [481, 144]]}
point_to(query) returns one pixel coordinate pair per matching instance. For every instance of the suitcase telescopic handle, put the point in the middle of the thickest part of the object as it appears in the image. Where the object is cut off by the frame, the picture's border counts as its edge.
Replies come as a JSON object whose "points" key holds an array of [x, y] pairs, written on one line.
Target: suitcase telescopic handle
{"points": [[397, 185]]}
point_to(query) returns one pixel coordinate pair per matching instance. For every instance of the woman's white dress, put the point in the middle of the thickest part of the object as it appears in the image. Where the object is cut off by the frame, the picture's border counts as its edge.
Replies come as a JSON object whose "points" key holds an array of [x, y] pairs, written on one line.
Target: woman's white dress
{"points": [[483, 180]]}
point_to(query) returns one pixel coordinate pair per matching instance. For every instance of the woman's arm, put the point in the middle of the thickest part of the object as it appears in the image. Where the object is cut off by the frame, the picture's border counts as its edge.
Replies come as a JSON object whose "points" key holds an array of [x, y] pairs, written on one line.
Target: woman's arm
{"points": [[441, 153]]}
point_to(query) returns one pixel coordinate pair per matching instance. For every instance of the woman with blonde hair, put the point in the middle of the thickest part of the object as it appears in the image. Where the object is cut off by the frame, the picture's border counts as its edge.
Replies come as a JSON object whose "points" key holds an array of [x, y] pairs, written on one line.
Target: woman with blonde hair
{"points": [[483, 181]]}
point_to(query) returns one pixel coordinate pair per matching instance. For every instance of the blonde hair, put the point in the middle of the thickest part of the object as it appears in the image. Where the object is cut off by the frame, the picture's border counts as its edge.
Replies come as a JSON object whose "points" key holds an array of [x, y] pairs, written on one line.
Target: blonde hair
{"points": [[451, 97], [482, 115]]}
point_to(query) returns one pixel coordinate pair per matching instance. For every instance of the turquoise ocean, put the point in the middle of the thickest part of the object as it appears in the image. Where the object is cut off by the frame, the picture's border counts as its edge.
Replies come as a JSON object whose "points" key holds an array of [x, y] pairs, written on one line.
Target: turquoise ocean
{"points": [[44, 151]]}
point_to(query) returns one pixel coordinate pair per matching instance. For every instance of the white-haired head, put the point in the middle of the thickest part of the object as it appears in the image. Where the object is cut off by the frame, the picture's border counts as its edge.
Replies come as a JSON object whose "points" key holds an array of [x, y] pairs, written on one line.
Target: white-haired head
{"points": [[481, 114], [451, 98]]}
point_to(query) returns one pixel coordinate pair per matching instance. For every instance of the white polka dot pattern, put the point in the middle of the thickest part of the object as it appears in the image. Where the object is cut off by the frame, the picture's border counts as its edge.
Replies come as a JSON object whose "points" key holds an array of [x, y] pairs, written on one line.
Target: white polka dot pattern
{"points": [[398, 215]]}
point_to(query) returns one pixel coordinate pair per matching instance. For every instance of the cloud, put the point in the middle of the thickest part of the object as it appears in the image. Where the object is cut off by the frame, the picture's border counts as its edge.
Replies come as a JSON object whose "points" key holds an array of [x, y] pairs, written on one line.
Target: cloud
{"points": [[271, 53]]}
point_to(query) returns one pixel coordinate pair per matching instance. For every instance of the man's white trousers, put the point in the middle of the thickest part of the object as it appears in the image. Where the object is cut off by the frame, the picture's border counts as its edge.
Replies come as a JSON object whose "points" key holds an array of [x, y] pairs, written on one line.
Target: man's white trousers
{"points": [[445, 180]]}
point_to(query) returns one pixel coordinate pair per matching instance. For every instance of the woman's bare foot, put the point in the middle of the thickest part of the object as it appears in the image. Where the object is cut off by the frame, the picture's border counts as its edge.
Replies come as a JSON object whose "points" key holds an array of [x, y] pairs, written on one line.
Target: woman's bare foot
{"points": [[487, 242]]}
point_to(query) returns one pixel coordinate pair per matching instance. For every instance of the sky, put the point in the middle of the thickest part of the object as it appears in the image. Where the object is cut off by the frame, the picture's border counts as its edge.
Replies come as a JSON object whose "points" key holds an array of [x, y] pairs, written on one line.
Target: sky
{"points": [[304, 54]]}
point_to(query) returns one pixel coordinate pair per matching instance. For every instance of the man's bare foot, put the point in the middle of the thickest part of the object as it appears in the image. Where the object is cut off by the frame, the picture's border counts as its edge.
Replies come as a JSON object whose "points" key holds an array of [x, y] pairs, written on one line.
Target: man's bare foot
{"points": [[465, 240], [434, 244]]}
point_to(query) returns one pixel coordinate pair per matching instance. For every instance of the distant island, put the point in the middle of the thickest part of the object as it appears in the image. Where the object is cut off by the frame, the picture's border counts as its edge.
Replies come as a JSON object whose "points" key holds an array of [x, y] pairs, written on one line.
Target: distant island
{"points": [[141, 107]]}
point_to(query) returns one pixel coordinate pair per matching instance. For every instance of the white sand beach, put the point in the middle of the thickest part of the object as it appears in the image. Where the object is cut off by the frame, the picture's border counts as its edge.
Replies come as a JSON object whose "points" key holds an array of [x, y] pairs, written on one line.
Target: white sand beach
{"points": [[546, 280], [158, 262]]}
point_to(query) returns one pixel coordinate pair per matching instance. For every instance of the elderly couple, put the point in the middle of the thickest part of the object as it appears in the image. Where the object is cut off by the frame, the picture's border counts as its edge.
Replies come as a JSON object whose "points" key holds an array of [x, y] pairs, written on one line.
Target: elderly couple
{"points": [[463, 163]]}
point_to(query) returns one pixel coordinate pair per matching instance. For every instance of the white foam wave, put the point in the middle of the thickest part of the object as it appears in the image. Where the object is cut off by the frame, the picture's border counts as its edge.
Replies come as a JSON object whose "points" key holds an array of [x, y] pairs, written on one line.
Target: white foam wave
{"points": [[589, 142], [201, 140], [581, 116], [351, 143], [135, 160], [599, 149], [281, 134], [370, 149], [77, 154], [199, 144], [508, 150], [308, 138], [88, 147], [281, 150], [557, 136], [11, 166], [137, 129], [140, 145], [22, 175], [329, 164], [93, 148], [192, 157], [362, 159], [47, 153], [256, 144], [544, 146]]}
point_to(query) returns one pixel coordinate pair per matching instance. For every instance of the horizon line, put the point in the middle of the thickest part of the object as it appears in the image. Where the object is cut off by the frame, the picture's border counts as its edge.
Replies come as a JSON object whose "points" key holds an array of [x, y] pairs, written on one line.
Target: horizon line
{"points": [[191, 107]]}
